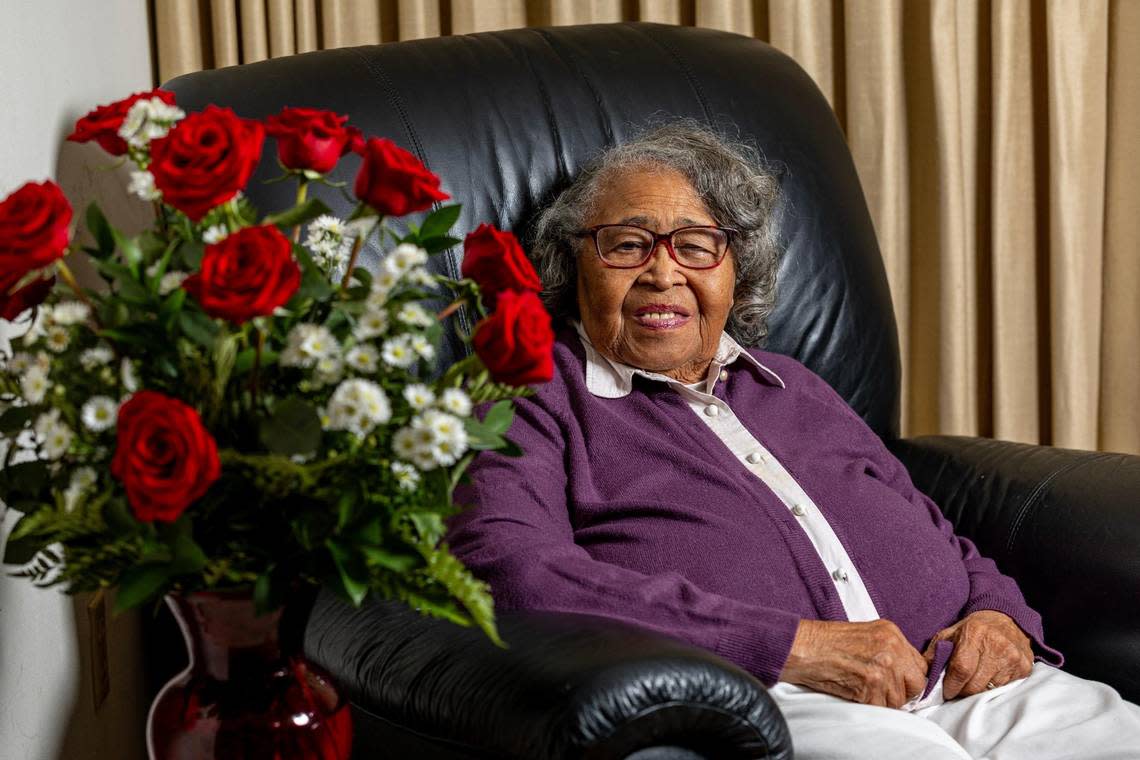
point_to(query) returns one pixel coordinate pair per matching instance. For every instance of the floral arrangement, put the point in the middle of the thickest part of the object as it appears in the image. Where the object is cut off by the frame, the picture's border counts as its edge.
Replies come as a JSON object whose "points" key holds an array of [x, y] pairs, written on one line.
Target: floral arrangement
{"points": [[236, 408]]}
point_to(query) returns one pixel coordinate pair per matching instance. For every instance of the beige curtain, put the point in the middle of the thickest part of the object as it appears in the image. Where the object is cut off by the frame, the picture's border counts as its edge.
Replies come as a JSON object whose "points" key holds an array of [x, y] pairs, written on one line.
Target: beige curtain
{"points": [[998, 142]]}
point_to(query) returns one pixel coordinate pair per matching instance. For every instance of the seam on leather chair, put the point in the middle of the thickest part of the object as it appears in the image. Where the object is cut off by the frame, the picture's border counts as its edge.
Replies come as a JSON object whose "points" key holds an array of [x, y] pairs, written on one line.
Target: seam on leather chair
{"points": [[685, 69], [1034, 499], [570, 60]]}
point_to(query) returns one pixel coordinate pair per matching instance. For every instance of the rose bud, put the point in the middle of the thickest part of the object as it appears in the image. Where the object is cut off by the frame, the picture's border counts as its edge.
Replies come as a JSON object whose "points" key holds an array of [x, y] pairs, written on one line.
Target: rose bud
{"points": [[35, 227], [102, 124], [393, 181], [516, 343], [308, 138]]}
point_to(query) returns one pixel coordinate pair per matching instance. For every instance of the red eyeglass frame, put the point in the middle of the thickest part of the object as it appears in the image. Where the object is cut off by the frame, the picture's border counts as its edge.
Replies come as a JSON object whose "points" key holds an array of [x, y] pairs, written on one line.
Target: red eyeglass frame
{"points": [[658, 238]]}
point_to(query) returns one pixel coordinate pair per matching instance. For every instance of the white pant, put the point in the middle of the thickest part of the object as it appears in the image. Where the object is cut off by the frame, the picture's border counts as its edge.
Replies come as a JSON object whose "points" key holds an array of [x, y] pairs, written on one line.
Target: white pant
{"points": [[1051, 715]]}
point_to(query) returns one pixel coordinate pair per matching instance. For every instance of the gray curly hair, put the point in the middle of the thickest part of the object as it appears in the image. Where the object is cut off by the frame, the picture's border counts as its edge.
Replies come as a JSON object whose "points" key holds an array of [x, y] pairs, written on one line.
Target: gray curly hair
{"points": [[731, 178]]}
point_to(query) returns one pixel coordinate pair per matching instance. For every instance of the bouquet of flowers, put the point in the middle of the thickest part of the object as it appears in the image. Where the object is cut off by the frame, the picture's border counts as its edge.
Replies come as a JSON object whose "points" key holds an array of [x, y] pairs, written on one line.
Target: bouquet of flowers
{"points": [[235, 408]]}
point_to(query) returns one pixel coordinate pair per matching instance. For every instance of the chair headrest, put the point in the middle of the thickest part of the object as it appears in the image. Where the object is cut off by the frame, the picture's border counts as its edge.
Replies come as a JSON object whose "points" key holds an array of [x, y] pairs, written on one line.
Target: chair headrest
{"points": [[507, 118]]}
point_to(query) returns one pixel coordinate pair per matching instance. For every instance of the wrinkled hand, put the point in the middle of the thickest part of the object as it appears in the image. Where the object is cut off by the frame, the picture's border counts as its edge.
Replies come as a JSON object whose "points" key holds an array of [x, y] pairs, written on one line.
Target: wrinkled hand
{"points": [[988, 648], [869, 662]]}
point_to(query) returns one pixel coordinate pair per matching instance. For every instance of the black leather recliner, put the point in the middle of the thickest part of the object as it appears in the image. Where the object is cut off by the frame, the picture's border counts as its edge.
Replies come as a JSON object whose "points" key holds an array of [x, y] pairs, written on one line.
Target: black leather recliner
{"points": [[506, 118]]}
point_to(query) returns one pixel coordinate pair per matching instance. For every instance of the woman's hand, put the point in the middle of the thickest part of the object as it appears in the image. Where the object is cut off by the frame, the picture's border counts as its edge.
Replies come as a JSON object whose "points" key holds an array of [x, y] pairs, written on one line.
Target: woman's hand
{"points": [[870, 662], [988, 648]]}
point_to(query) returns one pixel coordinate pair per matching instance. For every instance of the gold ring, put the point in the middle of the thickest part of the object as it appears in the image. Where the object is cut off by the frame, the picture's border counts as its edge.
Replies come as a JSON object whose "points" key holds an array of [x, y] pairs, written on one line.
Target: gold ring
{"points": [[991, 685]]}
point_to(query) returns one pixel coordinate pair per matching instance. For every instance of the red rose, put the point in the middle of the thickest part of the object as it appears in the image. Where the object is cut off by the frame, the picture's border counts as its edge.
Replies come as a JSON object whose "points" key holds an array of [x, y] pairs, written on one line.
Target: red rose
{"points": [[205, 159], [35, 224], [249, 274], [516, 343], [13, 304], [308, 138], [393, 181], [102, 124], [355, 140], [496, 262], [164, 457]]}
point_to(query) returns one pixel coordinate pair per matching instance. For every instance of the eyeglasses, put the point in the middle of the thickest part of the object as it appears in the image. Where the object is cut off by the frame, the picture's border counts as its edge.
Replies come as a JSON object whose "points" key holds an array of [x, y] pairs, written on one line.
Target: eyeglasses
{"points": [[626, 246]]}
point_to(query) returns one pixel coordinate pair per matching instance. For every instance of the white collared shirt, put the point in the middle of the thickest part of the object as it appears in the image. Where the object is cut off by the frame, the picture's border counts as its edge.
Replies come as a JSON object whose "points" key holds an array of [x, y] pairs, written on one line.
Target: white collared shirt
{"points": [[609, 379]]}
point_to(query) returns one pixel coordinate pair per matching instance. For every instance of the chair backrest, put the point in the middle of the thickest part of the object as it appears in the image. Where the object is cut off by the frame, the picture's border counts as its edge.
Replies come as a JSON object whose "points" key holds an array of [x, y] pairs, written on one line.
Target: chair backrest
{"points": [[507, 118]]}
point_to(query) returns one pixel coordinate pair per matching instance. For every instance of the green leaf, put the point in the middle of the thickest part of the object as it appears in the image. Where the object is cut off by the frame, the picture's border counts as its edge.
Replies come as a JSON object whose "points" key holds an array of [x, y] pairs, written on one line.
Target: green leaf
{"points": [[353, 572], [139, 584], [294, 427], [191, 253], [244, 362], [14, 419], [135, 335], [268, 594], [198, 327], [400, 563], [439, 221], [129, 248], [499, 417], [21, 551], [305, 212], [439, 243], [118, 517], [363, 276], [171, 307], [26, 480], [314, 283], [188, 557], [100, 230]]}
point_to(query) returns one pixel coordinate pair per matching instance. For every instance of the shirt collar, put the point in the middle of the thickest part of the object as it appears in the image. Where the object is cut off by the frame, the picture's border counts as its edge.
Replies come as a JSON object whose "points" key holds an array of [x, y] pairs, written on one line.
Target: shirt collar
{"points": [[610, 379]]}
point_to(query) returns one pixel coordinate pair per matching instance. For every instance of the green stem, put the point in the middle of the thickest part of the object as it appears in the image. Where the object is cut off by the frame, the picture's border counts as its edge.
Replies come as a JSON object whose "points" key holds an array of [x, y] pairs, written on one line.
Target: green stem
{"points": [[356, 246], [259, 343], [302, 191], [69, 278]]}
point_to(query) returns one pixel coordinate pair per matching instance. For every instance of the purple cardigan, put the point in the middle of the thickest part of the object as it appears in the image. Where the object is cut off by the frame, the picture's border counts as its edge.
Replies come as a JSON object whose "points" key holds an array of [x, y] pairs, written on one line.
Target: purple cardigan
{"points": [[631, 508]]}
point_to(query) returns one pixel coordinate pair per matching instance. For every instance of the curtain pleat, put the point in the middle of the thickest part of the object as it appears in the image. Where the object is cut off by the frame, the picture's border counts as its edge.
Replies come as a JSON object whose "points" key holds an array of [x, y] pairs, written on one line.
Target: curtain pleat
{"points": [[1015, 332], [1120, 327], [877, 134], [997, 141], [1077, 89]]}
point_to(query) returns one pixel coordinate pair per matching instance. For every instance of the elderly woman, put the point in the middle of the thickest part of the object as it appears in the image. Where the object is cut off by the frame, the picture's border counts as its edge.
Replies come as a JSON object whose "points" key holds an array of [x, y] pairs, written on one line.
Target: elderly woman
{"points": [[679, 481]]}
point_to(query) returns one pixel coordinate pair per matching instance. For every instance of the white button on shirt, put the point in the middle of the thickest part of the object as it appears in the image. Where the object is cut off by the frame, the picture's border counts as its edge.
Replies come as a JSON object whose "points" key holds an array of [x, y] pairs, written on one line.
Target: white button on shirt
{"points": [[610, 379]]}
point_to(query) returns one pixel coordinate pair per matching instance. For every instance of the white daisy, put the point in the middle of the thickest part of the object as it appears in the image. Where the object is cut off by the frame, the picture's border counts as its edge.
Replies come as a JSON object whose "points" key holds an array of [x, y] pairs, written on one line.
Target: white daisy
{"points": [[415, 315], [148, 119], [215, 234], [406, 475], [57, 339], [372, 323], [142, 186], [81, 481], [455, 401], [34, 385], [306, 344], [98, 356], [363, 358], [54, 435], [358, 406], [421, 277], [328, 370], [398, 352], [128, 377], [406, 256], [404, 443], [70, 313], [171, 281], [422, 346], [99, 413], [419, 396], [18, 364]]}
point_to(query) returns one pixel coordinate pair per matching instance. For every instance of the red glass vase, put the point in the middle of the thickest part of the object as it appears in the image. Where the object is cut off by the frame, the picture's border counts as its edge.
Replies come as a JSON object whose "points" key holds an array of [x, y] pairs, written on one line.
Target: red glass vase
{"points": [[244, 695]]}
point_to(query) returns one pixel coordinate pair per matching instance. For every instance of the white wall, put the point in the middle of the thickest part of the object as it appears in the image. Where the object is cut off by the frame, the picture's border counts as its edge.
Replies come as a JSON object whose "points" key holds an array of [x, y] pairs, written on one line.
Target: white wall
{"points": [[58, 59]]}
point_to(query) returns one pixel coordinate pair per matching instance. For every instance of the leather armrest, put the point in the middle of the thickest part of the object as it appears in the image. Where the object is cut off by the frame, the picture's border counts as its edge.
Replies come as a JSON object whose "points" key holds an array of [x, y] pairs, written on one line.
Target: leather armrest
{"points": [[568, 686], [1065, 524]]}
